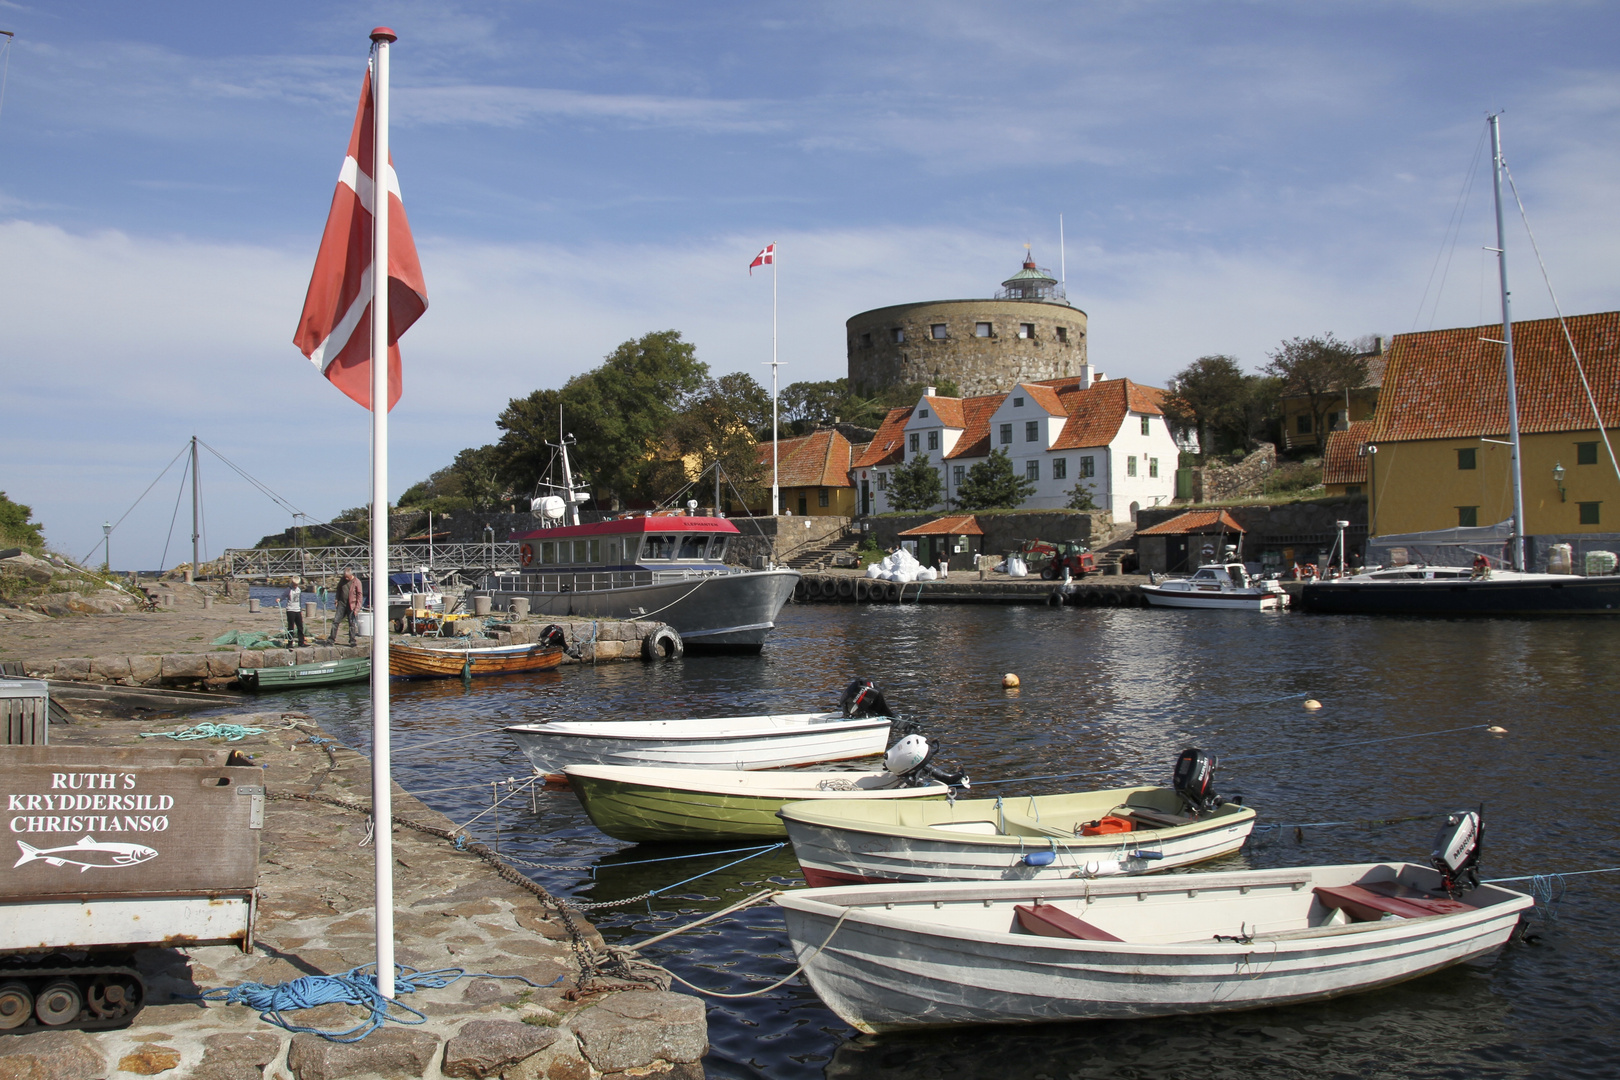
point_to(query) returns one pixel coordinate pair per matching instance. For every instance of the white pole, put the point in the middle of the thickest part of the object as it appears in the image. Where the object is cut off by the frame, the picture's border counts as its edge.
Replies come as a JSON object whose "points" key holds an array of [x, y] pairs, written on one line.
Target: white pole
{"points": [[1063, 258], [1507, 349], [776, 437], [381, 772]]}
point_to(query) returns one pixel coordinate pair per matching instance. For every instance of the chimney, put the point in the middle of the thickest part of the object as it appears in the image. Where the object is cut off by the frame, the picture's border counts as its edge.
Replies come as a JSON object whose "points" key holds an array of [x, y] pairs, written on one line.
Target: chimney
{"points": [[930, 391], [1379, 344]]}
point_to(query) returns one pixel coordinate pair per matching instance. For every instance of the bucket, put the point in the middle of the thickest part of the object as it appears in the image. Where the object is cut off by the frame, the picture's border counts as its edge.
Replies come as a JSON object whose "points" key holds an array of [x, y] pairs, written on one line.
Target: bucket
{"points": [[363, 623]]}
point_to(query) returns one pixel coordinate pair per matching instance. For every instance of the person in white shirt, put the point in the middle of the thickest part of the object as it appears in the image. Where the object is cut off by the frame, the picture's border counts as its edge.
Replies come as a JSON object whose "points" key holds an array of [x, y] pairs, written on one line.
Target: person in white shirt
{"points": [[295, 613]]}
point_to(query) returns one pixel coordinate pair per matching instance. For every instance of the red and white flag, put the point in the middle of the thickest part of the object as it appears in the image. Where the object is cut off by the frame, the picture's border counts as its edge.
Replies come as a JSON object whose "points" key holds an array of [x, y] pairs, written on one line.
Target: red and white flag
{"points": [[764, 258], [335, 329]]}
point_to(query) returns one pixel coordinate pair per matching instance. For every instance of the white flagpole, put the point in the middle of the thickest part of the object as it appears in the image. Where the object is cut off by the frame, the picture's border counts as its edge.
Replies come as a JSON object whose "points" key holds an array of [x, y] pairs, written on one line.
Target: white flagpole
{"points": [[381, 771], [776, 437]]}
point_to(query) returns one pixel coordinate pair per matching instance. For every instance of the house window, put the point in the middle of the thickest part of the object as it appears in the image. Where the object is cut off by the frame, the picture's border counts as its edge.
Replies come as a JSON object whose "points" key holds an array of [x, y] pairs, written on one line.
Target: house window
{"points": [[981, 329], [1589, 512], [821, 497], [1352, 489], [1153, 467], [922, 414], [1060, 468], [938, 331], [1468, 458], [1147, 425], [1088, 466], [1018, 403], [1063, 334], [1032, 430], [1303, 424], [883, 481], [1130, 465], [914, 442], [898, 335], [933, 440], [1467, 517], [1006, 434], [1032, 469], [866, 341], [958, 475], [1026, 330], [1586, 453]]}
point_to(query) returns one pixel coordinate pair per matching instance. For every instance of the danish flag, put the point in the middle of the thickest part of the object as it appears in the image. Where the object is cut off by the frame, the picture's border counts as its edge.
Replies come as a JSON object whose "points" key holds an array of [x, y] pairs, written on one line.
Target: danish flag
{"points": [[764, 258], [334, 330]]}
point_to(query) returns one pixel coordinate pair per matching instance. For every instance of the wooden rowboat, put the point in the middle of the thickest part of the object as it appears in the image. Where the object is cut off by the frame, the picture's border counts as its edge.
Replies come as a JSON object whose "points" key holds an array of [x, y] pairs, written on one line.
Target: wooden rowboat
{"points": [[413, 662], [320, 673], [1026, 838], [697, 805], [890, 957]]}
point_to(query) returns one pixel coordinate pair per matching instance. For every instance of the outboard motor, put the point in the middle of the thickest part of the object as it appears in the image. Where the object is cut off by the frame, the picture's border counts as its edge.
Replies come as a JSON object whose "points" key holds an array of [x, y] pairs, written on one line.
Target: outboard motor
{"points": [[911, 760], [1194, 781], [861, 699], [1456, 851], [552, 637]]}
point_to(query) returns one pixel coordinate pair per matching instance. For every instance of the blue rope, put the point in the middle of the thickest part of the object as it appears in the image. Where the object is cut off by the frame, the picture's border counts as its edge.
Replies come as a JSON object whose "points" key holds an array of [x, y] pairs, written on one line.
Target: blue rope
{"points": [[716, 870], [358, 986], [228, 732], [761, 849]]}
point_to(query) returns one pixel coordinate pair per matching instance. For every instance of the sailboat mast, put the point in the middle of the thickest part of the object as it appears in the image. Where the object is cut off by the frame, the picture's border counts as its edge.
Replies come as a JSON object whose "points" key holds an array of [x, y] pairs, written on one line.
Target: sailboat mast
{"points": [[196, 512], [1507, 348]]}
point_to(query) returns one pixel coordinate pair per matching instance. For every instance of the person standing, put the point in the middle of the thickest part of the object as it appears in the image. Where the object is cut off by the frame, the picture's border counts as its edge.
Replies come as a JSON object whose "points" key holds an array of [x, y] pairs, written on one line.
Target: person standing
{"points": [[348, 604], [295, 613]]}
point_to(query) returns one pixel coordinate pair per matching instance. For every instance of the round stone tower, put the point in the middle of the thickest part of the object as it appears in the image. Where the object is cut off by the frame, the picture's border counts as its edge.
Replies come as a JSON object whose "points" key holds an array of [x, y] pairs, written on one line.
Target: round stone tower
{"points": [[1027, 331]]}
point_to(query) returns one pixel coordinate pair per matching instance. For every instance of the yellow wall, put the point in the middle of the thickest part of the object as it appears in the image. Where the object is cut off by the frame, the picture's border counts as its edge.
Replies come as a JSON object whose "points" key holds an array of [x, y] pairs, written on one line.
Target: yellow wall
{"points": [[841, 501], [1362, 404], [1417, 486]]}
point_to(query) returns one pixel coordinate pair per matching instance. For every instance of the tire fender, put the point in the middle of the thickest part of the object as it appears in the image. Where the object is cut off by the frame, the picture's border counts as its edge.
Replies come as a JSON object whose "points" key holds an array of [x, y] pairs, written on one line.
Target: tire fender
{"points": [[664, 643]]}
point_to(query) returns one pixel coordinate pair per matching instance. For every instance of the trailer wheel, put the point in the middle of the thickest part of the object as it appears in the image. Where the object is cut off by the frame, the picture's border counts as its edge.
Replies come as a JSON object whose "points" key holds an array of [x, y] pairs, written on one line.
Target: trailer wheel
{"points": [[16, 1005], [58, 1004]]}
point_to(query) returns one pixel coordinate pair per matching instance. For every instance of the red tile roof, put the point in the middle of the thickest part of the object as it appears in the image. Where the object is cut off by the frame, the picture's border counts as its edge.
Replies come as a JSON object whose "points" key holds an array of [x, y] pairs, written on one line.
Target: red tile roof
{"points": [[1096, 413], [948, 409], [820, 459], [976, 413], [1046, 397], [958, 525], [1193, 521], [888, 445], [1343, 461], [1450, 384]]}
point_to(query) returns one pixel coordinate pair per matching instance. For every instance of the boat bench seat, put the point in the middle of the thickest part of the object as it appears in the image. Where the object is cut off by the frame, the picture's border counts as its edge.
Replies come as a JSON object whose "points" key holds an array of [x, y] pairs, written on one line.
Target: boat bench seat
{"points": [[1149, 816], [1367, 905], [1018, 824], [1049, 921]]}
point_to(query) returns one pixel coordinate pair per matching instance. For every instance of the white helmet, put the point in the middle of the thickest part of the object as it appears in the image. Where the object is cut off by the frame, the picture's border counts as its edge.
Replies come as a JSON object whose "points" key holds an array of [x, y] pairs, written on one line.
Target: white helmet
{"points": [[906, 755]]}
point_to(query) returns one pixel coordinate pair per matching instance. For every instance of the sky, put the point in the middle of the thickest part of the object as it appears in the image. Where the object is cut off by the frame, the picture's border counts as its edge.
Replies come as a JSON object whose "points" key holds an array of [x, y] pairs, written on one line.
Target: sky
{"points": [[576, 175]]}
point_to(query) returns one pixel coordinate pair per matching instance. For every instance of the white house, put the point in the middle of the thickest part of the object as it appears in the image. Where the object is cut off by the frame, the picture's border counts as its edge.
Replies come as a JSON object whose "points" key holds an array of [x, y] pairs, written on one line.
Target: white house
{"points": [[1110, 436]]}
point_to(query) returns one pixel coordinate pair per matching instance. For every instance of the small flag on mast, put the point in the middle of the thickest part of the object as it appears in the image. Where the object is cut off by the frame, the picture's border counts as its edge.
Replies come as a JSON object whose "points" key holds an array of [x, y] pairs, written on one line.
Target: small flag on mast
{"points": [[334, 330], [767, 257]]}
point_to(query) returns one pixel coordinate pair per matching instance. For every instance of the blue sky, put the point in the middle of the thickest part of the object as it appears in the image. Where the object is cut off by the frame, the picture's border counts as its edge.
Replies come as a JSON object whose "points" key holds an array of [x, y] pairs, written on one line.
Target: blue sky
{"points": [[1229, 174]]}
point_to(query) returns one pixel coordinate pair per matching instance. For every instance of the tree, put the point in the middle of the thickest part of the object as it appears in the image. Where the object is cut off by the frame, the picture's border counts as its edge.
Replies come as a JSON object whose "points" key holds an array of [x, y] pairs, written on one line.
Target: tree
{"points": [[1321, 370], [805, 406], [1081, 497], [914, 485], [719, 424], [467, 483], [1210, 398], [992, 485], [15, 527]]}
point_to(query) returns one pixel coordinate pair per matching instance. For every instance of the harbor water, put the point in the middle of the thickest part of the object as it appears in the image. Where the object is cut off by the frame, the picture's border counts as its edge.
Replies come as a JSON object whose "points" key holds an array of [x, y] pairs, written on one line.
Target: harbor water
{"points": [[1111, 696]]}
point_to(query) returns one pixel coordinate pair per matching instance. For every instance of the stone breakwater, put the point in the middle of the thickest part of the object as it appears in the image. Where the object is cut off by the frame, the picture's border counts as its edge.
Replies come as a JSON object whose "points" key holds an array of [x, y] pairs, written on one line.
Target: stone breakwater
{"points": [[598, 640], [452, 910]]}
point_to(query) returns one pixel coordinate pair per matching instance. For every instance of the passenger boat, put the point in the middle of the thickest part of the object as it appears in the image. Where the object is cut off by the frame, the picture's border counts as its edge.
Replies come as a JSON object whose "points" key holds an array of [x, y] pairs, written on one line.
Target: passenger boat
{"points": [[414, 662], [1217, 585], [859, 728], [696, 805], [668, 566], [320, 673], [892, 957], [1036, 838]]}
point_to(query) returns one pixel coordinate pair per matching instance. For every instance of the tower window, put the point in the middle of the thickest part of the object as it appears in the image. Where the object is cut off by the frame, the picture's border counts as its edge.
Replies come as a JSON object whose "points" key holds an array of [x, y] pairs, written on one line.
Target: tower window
{"points": [[1006, 434], [981, 329], [898, 335], [1026, 330], [1467, 517], [1063, 335], [866, 341], [938, 331]]}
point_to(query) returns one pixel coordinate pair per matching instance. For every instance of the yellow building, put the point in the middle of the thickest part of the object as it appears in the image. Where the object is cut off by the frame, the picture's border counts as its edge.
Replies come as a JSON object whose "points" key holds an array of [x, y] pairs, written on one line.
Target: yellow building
{"points": [[1436, 452], [814, 474], [1340, 410]]}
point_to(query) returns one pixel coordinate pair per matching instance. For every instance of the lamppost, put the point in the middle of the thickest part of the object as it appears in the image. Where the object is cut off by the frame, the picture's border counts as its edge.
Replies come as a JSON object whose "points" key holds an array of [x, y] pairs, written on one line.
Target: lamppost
{"points": [[1558, 478], [106, 551], [489, 542]]}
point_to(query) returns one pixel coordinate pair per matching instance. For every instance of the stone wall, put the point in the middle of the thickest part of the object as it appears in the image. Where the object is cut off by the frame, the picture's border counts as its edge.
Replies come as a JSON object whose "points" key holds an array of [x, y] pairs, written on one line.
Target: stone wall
{"points": [[1306, 529], [1212, 483], [977, 365]]}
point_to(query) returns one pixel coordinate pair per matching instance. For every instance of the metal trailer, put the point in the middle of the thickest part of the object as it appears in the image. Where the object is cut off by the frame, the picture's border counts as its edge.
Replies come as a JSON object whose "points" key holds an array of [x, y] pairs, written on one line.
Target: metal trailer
{"points": [[112, 849]]}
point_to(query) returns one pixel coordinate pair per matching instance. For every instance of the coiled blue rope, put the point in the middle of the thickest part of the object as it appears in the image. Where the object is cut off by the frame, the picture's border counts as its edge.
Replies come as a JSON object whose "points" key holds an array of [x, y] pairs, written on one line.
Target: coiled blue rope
{"points": [[228, 732], [358, 986]]}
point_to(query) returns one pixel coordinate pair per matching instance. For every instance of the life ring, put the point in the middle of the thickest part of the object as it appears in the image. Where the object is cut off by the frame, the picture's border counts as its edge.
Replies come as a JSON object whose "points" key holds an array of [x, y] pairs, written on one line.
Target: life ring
{"points": [[663, 643], [526, 553]]}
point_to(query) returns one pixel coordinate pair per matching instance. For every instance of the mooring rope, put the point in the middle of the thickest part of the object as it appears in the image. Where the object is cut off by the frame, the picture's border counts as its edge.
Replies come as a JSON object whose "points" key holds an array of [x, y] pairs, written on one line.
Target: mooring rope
{"points": [[786, 978], [228, 732]]}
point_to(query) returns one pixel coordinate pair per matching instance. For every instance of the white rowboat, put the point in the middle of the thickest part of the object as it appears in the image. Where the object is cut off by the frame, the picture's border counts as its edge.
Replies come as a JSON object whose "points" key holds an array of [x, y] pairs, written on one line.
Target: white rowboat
{"points": [[886, 958], [721, 742]]}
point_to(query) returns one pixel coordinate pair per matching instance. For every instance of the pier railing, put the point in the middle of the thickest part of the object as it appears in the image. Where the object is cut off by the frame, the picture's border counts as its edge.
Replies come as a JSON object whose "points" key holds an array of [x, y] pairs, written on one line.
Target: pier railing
{"points": [[519, 584], [323, 561]]}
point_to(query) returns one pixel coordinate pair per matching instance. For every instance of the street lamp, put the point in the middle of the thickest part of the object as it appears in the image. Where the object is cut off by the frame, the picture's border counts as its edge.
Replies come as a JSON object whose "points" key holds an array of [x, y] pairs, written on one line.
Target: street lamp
{"points": [[1558, 478], [489, 540], [106, 540]]}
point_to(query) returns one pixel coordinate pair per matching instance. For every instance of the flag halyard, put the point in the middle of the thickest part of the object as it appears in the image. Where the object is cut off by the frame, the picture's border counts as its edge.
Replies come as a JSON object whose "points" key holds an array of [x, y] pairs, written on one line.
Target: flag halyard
{"points": [[334, 330]]}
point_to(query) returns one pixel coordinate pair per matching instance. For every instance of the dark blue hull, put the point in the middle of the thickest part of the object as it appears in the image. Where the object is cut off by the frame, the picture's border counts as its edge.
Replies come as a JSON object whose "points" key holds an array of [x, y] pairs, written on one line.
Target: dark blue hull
{"points": [[1576, 596]]}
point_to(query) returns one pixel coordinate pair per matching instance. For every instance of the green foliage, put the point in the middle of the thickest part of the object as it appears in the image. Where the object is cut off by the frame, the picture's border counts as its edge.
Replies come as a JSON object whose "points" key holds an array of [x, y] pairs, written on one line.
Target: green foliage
{"points": [[1319, 369], [468, 483], [1080, 497], [1229, 410], [719, 423], [993, 485], [16, 530], [914, 485], [804, 406]]}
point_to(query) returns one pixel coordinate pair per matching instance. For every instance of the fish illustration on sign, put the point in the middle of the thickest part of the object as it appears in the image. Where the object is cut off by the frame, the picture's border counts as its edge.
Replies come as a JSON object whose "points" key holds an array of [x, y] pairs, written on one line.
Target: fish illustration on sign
{"points": [[86, 853]]}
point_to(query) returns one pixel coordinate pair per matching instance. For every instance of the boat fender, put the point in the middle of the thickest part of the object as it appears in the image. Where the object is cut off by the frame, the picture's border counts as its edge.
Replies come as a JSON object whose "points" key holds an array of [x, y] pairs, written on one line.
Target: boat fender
{"points": [[662, 644], [862, 699], [526, 553], [1040, 858]]}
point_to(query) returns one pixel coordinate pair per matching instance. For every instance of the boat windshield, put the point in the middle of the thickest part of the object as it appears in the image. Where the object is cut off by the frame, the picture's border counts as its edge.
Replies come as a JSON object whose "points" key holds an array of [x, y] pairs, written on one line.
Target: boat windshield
{"points": [[693, 545], [657, 547]]}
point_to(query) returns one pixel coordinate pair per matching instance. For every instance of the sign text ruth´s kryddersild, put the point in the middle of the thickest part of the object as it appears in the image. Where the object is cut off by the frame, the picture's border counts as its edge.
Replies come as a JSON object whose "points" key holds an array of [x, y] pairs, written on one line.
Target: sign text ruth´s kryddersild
{"points": [[91, 802]]}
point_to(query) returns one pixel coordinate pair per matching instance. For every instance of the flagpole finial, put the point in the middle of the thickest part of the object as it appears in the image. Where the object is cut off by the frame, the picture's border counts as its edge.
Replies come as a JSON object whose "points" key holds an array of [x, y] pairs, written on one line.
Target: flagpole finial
{"points": [[382, 33]]}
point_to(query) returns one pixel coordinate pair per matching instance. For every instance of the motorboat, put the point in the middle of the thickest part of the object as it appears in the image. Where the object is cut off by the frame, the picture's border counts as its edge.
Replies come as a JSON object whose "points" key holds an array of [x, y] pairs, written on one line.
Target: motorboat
{"points": [[1460, 590], [1088, 834], [894, 957], [859, 728], [1217, 585]]}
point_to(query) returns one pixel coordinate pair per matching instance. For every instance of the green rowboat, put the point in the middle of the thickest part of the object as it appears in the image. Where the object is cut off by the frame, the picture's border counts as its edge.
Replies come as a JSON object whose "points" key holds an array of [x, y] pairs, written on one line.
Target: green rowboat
{"points": [[648, 804], [320, 673]]}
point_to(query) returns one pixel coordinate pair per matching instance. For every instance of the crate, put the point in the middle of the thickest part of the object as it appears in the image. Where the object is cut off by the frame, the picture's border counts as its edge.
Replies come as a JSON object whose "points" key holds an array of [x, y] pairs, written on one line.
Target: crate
{"points": [[25, 711]]}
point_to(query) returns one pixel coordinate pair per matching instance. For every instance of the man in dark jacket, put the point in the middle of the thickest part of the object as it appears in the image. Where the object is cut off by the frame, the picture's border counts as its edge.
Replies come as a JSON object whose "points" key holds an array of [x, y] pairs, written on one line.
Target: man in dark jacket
{"points": [[348, 603]]}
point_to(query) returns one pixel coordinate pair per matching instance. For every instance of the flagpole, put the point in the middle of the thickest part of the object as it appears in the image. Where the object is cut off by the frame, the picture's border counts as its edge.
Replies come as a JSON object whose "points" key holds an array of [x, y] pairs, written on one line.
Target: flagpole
{"points": [[381, 770], [776, 437]]}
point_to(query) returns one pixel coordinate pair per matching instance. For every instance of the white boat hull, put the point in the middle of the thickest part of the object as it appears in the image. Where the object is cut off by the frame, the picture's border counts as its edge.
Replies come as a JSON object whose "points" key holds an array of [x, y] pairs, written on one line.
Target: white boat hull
{"points": [[735, 742], [1248, 600], [911, 956]]}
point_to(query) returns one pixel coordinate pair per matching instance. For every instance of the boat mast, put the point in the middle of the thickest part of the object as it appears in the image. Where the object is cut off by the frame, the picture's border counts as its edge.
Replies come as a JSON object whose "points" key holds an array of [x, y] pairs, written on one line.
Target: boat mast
{"points": [[1507, 348], [196, 512]]}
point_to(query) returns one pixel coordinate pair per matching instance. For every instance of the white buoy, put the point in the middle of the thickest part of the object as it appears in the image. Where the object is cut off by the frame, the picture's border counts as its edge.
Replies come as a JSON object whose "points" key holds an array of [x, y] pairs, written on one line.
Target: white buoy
{"points": [[1497, 730], [1312, 704], [1009, 681]]}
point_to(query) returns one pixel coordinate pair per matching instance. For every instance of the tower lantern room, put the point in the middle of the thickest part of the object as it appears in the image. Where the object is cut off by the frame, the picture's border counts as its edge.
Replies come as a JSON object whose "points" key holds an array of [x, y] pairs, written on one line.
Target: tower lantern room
{"points": [[1032, 283]]}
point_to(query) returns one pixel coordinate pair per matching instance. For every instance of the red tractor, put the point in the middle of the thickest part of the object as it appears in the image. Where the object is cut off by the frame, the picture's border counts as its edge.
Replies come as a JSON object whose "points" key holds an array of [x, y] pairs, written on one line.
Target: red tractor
{"points": [[1063, 555]]}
